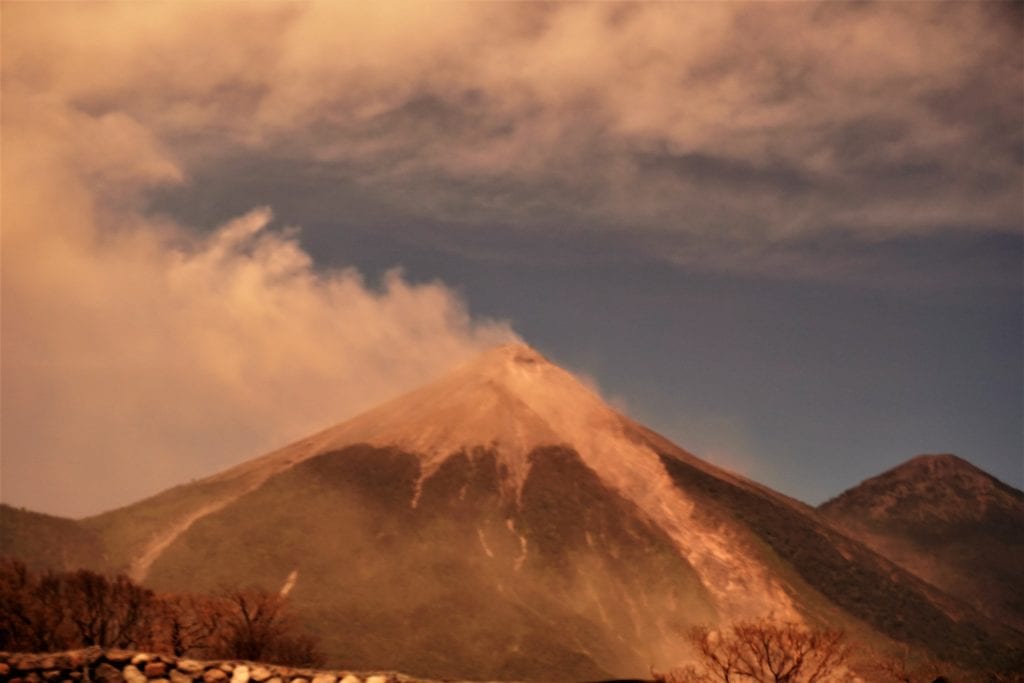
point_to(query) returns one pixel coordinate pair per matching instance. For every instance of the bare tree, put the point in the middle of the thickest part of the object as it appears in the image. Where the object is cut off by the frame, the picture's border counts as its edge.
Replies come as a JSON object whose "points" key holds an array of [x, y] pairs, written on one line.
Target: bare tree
{"points": [[252, 623], [33, 614], [107, 612], [185, 624], [60, 611], [258, 625], [768, 652]]}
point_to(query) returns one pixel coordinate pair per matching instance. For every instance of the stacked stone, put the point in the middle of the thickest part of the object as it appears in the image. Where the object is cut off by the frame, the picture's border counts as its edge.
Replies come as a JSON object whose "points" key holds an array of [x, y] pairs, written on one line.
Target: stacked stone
{"points": [[95, 665]]}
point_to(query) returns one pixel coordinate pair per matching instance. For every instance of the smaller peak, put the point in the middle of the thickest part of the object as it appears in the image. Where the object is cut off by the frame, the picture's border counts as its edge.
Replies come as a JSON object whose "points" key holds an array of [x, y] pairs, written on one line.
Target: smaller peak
{"points": [[944, 458], [938, 462]]}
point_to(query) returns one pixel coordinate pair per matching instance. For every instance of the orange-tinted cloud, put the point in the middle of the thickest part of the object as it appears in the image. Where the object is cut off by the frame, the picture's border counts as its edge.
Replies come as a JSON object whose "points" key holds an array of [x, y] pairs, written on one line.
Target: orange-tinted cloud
{"points": [[753, 124], [723, 136], [138, 352]]}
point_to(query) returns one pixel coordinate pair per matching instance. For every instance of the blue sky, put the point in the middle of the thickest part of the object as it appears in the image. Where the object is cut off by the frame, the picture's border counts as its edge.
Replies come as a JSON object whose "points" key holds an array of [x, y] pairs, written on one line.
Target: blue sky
{"points": [[806, 384], [787, 236]]}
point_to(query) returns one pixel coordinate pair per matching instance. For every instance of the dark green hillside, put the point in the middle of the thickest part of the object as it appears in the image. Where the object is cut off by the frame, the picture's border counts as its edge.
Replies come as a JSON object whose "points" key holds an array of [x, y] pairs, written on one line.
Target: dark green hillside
{"points": [[863, 584], [48, 542], [454, 580]]}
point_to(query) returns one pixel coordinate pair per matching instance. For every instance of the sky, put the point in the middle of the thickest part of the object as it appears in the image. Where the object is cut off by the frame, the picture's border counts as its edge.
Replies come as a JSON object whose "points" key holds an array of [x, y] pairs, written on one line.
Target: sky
{"points": [[787, 236]]}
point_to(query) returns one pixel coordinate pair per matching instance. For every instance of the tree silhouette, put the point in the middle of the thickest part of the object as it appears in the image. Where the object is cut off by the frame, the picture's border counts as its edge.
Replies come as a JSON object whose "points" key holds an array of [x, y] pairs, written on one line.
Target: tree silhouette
{"points": [[764, 652], [257, 625], [60, 611], [185, 624], [33, 615], [107, 612]]}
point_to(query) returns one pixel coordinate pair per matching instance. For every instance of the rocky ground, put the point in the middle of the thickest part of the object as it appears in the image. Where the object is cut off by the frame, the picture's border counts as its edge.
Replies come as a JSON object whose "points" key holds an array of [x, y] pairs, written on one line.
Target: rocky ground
{"points": [[96, 665]]}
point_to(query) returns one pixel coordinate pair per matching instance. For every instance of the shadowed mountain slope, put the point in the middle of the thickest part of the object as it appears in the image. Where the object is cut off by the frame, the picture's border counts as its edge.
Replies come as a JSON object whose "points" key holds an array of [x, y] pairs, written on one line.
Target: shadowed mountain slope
{"points": [[48, 542], [947, 521]]}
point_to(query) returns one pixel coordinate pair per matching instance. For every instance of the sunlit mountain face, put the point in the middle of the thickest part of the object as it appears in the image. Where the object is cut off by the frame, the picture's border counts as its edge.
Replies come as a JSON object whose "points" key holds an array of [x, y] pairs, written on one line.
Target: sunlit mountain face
{"points": [[503, 522]]}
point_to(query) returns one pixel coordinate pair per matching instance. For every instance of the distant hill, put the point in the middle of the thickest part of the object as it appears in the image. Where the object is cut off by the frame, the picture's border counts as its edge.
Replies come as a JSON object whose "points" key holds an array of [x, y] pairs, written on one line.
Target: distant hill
{"points": [[947, 521], [48, 542]]}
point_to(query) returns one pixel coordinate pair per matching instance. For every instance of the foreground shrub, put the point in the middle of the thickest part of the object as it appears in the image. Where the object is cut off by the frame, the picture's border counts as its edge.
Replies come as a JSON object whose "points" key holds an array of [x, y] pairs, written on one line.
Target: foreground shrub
{"points": [[66, 610], [765, 652]]}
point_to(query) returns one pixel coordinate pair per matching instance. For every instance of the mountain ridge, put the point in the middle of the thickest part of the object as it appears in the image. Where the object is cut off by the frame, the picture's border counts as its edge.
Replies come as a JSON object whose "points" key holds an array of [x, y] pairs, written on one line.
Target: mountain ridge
{"points": [[506, 501], [944, 519]]}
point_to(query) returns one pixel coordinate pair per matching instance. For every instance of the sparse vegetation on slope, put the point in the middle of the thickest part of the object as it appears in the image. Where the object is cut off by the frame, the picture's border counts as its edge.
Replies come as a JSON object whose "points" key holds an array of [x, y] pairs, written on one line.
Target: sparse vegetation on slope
{"points": [[569, 581], [949, 522], [126, 532], [48, 542], [863, 584]]}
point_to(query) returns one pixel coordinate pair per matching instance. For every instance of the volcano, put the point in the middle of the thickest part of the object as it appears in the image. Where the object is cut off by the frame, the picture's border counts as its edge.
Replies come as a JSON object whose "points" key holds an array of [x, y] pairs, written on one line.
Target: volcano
{"points": [[503, 522]]}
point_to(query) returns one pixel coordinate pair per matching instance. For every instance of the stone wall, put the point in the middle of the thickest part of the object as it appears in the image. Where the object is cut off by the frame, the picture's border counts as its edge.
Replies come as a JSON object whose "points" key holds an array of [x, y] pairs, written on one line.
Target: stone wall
{"points": [[95, 665]]}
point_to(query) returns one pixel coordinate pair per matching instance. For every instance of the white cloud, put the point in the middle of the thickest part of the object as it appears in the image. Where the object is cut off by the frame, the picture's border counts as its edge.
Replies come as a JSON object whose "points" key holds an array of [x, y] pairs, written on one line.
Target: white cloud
{"points": [[138, 353], [723, 135]]}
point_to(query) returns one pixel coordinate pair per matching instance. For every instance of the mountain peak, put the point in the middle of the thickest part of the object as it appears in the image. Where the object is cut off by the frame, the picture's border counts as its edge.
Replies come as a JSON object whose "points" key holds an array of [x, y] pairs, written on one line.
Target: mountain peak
{"points": [[938, 463], [514, 352], [502, 364], [926, 489], [509, 399], [520, 408]]}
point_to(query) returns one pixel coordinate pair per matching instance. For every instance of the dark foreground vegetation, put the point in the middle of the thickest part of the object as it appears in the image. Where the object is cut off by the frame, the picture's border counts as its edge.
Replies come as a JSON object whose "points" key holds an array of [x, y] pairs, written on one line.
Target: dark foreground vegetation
{"points": [[54, 611], [765, 651]]}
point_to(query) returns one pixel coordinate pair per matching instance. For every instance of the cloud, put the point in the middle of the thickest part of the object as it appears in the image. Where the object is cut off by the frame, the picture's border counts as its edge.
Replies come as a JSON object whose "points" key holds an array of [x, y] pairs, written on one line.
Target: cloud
{"points": [[138, 352], [753, 128], [133, 361], [778, 139]]}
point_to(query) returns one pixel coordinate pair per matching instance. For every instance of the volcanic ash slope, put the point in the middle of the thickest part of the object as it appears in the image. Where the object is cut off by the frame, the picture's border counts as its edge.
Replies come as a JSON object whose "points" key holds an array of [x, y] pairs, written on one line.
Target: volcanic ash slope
{"points": [[505, 523]]}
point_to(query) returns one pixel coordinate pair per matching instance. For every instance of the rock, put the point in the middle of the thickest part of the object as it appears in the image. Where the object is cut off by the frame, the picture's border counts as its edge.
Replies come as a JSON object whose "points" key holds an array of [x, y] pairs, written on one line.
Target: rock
{"points": [[118, 656], [227, 668], [155, 670], [240, 674], [51, 675], [141, 658], [180, 677], [74, 660], [33, 677], [190, 666], [23, 662], [5, 669], [325, 678], [259, 674], [105, 673], [275, 679], [300, 680], [350, 678], [377, 679], [214, 676], [132, 674]]}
